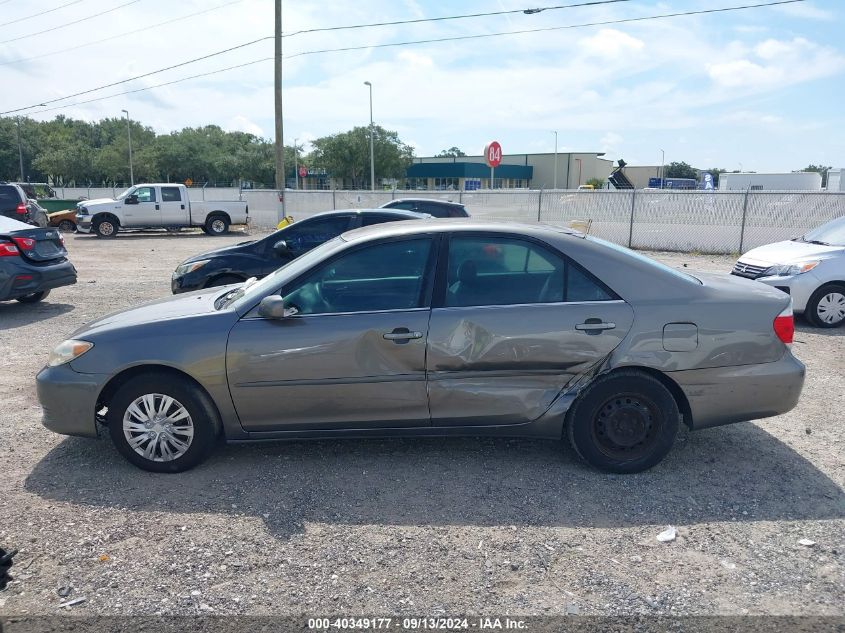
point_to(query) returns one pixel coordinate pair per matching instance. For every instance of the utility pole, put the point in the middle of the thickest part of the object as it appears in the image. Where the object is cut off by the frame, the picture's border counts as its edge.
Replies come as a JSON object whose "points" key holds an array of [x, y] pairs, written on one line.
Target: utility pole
{"points": [[129, 133], [662, 169], [372, 160], [20, 149], [296, 162], [554, 186], [280, 137]]}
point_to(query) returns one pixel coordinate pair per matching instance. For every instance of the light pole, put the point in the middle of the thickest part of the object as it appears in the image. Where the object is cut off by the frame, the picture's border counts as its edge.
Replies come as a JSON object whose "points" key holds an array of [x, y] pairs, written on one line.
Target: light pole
{"points": [[555, 178], [129, 133], [372, 160], [296, 162], [662, 168], [20, 149]]}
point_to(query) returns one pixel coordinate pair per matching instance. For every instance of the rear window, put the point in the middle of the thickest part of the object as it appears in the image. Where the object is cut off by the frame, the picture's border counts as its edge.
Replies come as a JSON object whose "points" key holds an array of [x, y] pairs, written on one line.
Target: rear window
{"points": [[9, 198], [648, 260]]}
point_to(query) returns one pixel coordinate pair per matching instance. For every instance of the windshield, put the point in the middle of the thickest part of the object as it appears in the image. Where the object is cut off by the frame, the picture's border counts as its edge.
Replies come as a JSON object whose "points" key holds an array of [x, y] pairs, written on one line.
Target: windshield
{"points": [[647, 260], [126, 193], [830, 234], [245, 295]]}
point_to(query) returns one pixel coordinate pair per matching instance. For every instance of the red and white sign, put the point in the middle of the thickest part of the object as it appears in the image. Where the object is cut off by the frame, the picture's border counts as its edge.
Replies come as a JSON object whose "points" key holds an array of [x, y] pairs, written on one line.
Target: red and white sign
{"points": [[493, 154], [303, 172]]}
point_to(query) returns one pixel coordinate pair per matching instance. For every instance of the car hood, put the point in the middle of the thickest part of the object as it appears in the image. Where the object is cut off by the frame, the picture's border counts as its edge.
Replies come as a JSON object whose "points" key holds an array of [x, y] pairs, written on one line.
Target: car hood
{"points": [[788, 252], [190, 304], [95, 201], [219, 252]]}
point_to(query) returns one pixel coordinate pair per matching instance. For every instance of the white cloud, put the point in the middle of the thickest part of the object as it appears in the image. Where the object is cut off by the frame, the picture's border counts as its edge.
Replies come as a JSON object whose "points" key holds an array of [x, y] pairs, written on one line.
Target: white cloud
{"points": [[611, 43], [610, 142], [804, 10], [241, 123]]}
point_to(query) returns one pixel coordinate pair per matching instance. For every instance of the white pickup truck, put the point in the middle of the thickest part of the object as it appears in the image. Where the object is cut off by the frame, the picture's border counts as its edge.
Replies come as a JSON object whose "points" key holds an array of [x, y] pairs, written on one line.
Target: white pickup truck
{"points": [[158, 205]]}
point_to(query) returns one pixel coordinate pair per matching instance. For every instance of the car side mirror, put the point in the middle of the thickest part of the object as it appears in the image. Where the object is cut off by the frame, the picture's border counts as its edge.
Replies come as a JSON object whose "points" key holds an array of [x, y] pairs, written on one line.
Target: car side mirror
{"points": [[273, 307], [133, 199], [281, 248]]}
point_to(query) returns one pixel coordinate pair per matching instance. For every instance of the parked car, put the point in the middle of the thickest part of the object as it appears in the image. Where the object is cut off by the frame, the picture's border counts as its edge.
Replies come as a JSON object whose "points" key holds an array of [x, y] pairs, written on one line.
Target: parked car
{"points": [[435, 208], [32, 262], [442, 327], [14, 203], [46, 197], [810, 268], [158, 205], [257, 258], [65, 221]]}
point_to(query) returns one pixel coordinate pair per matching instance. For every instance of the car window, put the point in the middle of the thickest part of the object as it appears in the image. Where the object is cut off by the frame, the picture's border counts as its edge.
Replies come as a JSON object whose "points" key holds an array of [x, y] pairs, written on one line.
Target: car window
{"points": [[387, 276], [368, 219], [171, 194], [305, 235], [507, 271], [9, 198], [146, 194], [408, 206], [437, 210]]}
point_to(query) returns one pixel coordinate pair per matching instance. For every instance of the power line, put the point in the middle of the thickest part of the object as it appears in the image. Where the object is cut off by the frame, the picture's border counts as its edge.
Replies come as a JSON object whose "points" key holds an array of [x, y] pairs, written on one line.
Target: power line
{"points": [[153, 72], [35, 15], [114, 37], [408, 43], [543, 29], [67, 24], [456, 17]]}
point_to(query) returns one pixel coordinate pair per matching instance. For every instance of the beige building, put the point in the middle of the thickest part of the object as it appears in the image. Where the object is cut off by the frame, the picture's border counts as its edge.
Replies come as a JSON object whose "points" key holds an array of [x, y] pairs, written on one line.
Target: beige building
{"points": [[517, 171]]}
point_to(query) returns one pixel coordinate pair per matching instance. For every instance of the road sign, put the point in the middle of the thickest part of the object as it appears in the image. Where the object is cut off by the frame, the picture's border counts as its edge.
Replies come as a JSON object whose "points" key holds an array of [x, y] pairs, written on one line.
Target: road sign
{"points": [[303, 172], [188, 182], [493, 154]]}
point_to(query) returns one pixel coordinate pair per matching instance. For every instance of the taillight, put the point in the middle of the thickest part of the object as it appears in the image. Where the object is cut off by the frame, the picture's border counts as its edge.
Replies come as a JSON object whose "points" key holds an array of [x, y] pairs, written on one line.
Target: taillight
{"points": [[24, 243], [784, 325], [7, 249], [21, 210]]}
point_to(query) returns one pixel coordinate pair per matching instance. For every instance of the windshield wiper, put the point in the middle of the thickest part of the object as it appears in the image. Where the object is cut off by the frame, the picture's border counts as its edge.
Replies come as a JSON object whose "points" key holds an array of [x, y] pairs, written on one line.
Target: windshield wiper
{"points": [[819, 242]]}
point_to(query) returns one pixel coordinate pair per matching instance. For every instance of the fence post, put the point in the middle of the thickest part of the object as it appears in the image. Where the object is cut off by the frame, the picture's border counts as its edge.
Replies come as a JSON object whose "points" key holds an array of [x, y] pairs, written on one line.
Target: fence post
{"points": [[744, 213], [631, 224], [539, 203], [334, 200]]}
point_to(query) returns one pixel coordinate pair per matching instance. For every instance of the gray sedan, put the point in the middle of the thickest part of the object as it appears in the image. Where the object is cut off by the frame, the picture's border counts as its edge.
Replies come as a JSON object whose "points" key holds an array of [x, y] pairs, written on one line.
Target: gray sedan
{"points": [[447, 327]]}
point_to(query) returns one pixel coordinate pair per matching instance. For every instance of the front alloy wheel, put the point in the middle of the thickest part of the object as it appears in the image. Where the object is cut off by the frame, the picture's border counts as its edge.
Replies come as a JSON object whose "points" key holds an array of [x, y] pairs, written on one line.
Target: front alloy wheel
{"points": [[158, 427]]}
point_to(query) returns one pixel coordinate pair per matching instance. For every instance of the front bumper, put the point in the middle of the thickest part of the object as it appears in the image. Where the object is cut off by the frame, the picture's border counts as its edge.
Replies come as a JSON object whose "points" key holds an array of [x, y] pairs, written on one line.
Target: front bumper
{"points": [[186, 283], [69, 400], [19, 278], [724, 395], [800, 287], [83, 223]]}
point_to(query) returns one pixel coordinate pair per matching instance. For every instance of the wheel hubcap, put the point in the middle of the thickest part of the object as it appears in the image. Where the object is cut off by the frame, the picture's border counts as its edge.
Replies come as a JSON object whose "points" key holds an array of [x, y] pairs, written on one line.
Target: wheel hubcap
{"points": [[831, 308], [158, 427], [217, 226], [626, 426], [106, 228]]}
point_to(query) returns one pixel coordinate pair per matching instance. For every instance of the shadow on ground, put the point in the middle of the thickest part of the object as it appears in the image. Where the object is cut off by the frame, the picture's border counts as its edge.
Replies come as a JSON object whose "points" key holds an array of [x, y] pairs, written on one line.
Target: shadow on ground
{"points": [[731, 473], [14, 314]]}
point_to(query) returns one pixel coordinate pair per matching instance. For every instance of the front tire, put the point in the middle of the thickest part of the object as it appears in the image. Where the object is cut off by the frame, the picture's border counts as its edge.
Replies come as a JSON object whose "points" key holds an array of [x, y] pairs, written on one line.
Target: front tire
{"points": [[67, 226], [162, 424], [35, 297], [217, 225], [106, 228], [624, 422], [826, 307]]}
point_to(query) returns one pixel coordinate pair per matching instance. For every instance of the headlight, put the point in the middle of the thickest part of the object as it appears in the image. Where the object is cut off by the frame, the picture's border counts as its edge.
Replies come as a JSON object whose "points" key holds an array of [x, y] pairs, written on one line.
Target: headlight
{"points": [[66, 351], [82, 210], [788, 270], [184, 269]]}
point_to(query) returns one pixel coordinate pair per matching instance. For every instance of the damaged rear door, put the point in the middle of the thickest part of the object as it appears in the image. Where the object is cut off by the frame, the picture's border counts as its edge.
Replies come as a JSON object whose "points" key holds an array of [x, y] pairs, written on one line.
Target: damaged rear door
{"points": [[515, 322]]}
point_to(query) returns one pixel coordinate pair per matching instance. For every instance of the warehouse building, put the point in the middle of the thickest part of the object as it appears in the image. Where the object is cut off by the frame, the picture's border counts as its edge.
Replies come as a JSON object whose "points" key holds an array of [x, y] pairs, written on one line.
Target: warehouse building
{"points": [[518, 171]]}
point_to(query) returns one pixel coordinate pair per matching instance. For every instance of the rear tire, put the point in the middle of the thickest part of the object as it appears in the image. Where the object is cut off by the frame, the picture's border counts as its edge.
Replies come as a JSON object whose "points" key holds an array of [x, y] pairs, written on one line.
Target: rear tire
{"points": [[35, 297], [826, 307], [217, 225], [624, 422], [106, 228], [67, 226], [161, 437]]}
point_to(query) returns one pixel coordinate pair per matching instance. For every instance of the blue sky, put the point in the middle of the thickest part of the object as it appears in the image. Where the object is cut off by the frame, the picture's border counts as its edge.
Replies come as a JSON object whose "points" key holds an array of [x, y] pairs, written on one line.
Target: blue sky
{"points": [[760, 89]]}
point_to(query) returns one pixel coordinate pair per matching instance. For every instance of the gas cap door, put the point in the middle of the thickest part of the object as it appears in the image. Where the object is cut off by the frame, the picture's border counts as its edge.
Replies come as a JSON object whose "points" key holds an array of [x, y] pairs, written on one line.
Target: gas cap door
{"points": [[680, 337]]}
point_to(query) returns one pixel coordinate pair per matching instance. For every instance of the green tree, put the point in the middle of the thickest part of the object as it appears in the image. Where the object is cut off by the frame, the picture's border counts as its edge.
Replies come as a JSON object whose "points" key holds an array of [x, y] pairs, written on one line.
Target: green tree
{"points": [[597, 183], [452, 151], [681, 170], [819, 169], [346, 155]]}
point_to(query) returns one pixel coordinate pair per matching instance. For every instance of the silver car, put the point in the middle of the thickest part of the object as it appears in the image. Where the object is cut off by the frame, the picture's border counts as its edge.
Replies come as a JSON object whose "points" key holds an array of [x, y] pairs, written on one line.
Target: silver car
{"points": [[445, 327], [810, 268]]}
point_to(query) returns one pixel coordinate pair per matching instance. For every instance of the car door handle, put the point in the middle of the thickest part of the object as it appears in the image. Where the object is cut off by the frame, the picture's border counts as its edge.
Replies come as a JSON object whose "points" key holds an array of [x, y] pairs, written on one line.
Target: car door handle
{"points": [[592, 325], [182, 207], [157, 207], [401, 334]]}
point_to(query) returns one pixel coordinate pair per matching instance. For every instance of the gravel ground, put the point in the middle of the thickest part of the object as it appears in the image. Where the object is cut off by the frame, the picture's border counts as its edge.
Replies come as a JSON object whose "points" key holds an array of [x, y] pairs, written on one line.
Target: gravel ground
{"points": [[429, 527]]}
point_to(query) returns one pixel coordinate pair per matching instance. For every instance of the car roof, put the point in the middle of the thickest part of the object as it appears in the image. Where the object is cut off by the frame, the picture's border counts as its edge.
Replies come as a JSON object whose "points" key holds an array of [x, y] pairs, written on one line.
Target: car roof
{"points": [[434, 200], [401, 213], [436, 225]]}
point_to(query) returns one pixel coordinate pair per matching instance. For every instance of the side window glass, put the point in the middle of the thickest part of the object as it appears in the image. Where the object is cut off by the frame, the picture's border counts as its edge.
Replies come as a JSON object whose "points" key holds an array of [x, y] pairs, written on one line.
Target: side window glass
{"points": [[580, 287], [408, 206], [389, 276], [502, 271], [303, 236], [368, 219], [146, 194], [170, 194], [436, 210]]}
